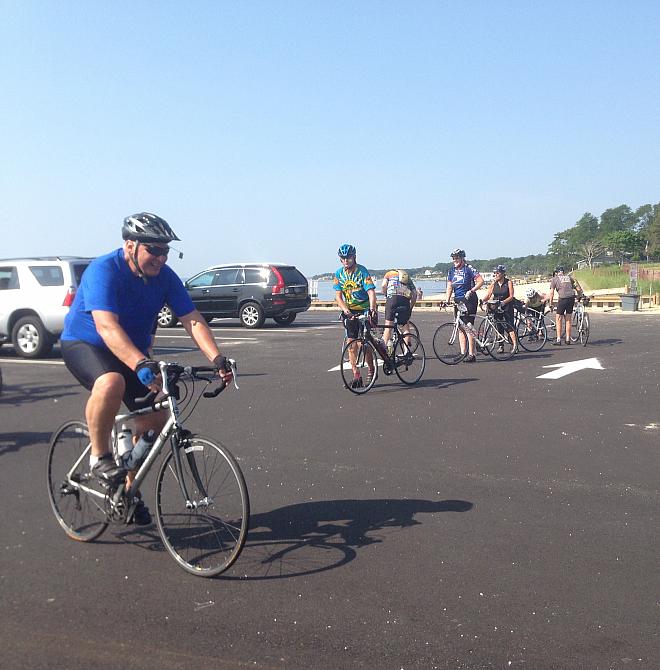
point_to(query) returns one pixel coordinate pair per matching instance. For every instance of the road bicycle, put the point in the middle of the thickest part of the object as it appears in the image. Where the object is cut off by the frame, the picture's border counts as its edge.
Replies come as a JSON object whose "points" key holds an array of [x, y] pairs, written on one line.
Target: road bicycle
{"points": [[407, 359], [531, 329], [450, 340], [377, 332], [580, 321], [202, 504]]}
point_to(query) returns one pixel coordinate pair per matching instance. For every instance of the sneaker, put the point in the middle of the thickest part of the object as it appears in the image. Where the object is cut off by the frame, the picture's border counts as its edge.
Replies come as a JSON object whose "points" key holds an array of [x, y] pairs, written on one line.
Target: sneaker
{"points": [[556, 343], [569, 342], [141, 516], [470, 359], [357, 382], [108, 472], [500, 349]]}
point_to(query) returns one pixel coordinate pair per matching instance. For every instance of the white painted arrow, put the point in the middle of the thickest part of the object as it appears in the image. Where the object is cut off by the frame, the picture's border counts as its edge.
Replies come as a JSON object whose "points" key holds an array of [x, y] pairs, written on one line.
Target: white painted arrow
{"points": [[564, 369], [347, 366]]}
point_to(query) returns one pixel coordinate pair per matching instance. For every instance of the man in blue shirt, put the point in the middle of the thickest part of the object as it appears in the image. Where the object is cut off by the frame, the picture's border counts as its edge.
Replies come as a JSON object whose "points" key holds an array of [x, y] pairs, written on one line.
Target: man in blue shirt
{"points": [[108, 335], [463, 281]]}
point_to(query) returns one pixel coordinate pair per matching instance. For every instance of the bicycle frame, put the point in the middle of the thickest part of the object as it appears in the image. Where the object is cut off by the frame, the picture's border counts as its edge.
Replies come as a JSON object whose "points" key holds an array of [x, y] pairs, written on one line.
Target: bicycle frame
{"points": [[172, 429]]}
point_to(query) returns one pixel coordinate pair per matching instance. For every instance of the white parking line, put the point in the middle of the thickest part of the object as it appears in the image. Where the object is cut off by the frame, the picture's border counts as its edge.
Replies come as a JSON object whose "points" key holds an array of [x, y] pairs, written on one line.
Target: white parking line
{"points": [[27, 361], [224, 339]]}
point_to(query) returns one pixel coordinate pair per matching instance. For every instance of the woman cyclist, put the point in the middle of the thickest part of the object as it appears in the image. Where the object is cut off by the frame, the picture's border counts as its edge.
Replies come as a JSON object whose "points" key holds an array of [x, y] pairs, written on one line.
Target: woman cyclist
{"points": [[502, 290]]}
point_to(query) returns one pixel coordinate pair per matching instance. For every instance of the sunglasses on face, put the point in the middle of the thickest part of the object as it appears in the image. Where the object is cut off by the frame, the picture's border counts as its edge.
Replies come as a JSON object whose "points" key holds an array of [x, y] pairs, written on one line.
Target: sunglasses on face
{"points": [[156, 250], [346, 258]]}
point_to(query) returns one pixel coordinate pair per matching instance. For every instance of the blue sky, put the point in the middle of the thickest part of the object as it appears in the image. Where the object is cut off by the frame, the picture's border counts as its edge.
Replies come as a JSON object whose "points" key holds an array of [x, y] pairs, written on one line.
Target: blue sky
{"points": [[279, 130]]}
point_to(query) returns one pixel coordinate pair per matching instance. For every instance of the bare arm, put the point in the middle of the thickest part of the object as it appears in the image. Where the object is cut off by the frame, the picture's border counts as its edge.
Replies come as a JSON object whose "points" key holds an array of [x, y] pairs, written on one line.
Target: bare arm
{"points": [[450, 290], [339, 298], [373, 302], [479, 282], [115, 338], [196, 326]]}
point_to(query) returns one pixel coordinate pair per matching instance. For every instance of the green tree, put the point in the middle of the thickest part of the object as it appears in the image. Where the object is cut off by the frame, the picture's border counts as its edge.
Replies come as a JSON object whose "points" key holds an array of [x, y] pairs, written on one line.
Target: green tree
{"points": [[620, 218], [624, 243], [652, 234]]}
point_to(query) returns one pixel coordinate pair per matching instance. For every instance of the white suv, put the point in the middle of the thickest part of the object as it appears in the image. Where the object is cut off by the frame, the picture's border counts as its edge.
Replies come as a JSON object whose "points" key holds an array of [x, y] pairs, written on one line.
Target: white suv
{"points": [[35, 296]]}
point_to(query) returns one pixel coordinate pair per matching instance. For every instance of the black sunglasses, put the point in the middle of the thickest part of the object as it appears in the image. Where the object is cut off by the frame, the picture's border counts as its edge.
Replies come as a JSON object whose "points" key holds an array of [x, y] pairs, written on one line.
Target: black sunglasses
{"points": [[345, 258], [156, 250]]}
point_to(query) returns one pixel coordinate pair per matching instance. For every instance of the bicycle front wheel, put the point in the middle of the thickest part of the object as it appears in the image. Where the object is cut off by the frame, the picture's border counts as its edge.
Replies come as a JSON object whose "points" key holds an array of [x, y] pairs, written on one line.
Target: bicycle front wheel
{"points": [[366, 359], [447, 342], [584, 331], [409, 359], [75, 495], [412, 329], [532, 333], [206, 534]]}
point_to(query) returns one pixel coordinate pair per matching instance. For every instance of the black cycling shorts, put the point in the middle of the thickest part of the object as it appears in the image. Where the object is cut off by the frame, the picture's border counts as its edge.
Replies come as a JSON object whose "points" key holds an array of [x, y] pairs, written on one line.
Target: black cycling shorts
{"points": [[352, 326], [87, 363], [565, 305], [400, 304], [471, 304]]}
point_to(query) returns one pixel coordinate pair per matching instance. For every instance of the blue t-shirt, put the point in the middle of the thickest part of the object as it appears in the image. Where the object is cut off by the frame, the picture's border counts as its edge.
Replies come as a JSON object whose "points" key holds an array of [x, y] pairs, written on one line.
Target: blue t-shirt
{"points": [[354, 285], [462, 279], [109, 285]]}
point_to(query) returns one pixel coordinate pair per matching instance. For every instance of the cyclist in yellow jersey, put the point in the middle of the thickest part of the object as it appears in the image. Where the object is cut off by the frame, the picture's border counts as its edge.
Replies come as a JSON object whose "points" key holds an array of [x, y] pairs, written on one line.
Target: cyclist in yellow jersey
{"points": [[355, 293]]}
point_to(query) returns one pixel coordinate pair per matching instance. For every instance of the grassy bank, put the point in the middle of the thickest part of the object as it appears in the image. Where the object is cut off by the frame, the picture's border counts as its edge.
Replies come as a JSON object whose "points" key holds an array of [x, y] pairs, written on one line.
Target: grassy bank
{"points": [[613, 276]]}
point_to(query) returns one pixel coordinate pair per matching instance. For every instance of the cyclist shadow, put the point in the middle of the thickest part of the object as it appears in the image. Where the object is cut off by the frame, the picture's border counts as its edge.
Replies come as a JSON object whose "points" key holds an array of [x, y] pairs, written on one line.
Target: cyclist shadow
{"points": [[25, 393], [605, 342], [10, 442], [422, 383], [307, 538]]}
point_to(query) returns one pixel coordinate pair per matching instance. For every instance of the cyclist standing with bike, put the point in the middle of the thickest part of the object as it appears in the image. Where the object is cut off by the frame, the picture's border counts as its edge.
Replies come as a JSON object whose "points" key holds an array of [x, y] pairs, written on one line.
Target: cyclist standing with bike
{"points": [[108, 334], [401, 295], [566, 288], [502, 290], [463, 282], [355, 293]]}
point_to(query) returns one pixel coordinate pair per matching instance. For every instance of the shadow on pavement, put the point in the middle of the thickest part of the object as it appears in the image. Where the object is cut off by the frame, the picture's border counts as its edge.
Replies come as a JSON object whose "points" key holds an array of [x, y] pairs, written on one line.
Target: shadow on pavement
{"points": [[10, 442], [312, 537]]}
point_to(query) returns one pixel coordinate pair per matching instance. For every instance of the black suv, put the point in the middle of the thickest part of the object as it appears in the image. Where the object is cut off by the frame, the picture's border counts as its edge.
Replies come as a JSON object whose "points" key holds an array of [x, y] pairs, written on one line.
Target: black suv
{"points": [[250, 292]]}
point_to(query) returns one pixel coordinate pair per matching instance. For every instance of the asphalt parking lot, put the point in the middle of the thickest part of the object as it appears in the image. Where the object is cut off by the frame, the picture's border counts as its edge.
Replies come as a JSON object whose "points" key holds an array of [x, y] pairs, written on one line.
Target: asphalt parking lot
{"points": [[486, 518]]}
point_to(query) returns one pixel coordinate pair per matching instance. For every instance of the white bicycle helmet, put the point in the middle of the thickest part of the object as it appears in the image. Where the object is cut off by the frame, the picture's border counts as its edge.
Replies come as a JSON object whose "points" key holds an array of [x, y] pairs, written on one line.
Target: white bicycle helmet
{"points": [[530, 292]]}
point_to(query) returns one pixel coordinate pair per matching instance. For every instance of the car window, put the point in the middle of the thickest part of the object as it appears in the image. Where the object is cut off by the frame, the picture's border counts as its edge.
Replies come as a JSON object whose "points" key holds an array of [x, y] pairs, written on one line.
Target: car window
{"points": [[205, 279], [256, 276], [227, 276], [292, 275], [48, 275], [78, 269], [8, 278]]}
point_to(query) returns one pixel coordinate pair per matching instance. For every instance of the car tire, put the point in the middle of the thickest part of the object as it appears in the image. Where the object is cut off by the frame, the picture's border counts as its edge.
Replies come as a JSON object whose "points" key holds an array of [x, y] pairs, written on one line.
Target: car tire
{"points": [[285, 319], [30, 338], [251, 315], [166, 318]]}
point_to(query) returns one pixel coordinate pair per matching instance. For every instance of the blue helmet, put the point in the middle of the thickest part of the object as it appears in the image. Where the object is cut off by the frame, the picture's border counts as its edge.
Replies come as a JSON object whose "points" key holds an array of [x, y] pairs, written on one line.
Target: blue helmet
{"points": [[346, 250], [458, 253], [500, 268]]}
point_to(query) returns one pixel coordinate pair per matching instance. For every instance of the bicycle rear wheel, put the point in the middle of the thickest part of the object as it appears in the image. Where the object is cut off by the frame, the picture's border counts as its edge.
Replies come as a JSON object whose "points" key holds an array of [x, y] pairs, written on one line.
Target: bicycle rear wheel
{"points": [[532, 333], [412, 329], [500, 344], [447, 343], [409, 359], [75, 495], [207, 537], [365, 354]]}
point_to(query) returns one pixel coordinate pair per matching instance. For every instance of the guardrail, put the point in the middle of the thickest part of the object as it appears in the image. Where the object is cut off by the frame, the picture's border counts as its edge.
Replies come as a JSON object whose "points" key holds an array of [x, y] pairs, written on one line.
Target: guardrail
{"points": [[604, 301]]}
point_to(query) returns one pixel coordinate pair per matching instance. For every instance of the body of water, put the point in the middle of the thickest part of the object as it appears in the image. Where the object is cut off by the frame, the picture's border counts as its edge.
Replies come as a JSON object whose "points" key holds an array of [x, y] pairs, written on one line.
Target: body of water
{"points": [[429, 287]]}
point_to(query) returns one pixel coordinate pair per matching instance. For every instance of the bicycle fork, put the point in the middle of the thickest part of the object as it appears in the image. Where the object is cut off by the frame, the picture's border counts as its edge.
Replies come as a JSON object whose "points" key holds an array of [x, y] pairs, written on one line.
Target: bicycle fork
{"points": [[179, 442]]}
